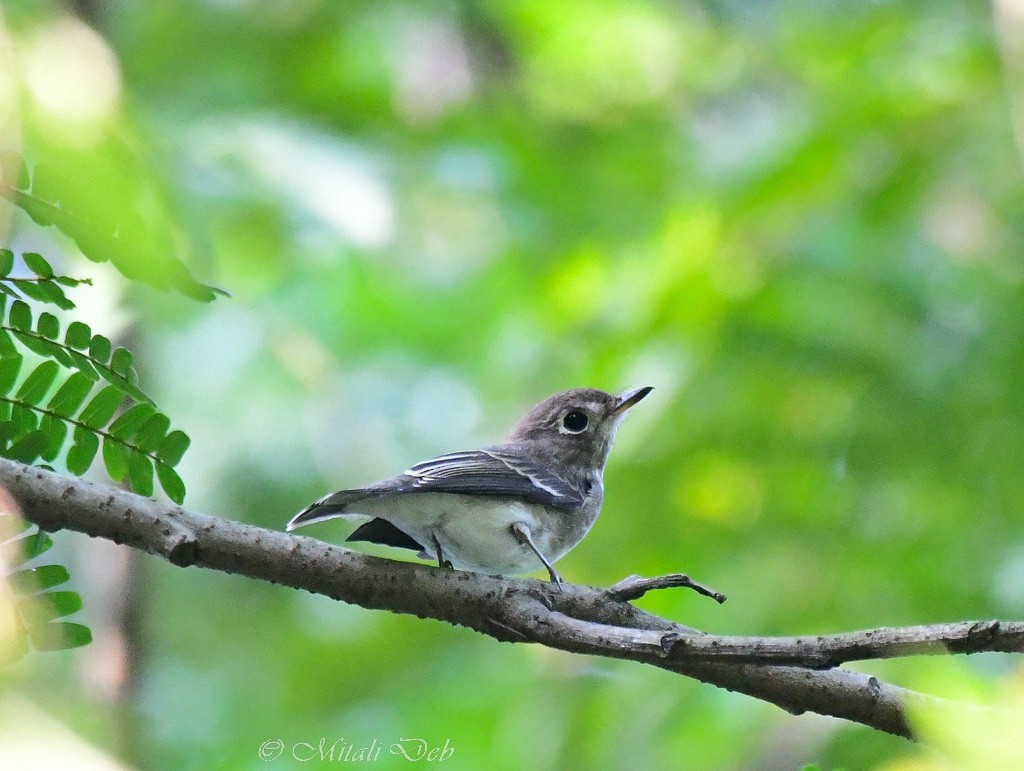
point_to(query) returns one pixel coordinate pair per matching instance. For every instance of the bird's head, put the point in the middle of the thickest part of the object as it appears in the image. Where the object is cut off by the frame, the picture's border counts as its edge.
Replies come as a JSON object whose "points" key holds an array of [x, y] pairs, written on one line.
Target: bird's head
{"points": [[578, 426]]}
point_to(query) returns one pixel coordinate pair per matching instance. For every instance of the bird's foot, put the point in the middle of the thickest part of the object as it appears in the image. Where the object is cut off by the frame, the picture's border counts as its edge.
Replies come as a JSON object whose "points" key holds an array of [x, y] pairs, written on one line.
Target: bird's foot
{"points": [[441, 561]]}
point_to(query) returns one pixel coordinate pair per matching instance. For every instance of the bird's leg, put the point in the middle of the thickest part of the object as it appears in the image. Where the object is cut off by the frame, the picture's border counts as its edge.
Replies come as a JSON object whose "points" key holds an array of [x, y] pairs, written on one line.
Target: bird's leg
{"points": [[522, 534], [441, 561]]}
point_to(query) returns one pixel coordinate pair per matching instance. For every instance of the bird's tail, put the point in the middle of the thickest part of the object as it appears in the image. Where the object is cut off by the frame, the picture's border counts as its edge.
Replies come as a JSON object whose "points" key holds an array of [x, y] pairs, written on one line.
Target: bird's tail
{"points": [[328, 507]]}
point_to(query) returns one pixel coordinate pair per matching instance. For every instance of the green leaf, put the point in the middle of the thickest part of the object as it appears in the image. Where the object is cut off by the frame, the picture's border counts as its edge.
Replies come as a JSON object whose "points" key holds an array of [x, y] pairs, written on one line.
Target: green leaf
{"points": [[9, 431], [171, 482], [91, 198], [78, 335], [59, 636], [6, 262], [121, 361], [99, 348], [131, 420], [64, 603], [43, 608], [56, 431], [32, 580], [172, 447], [57, 351], [71, 395], [48, 326], [26, 418], [31, 287], [38, 383], [26, 546], [82, 451], [20, 315], [37, 264], [37, 544], [98, 412], [7, 347], [46, 291], [72, 282], [82, 364], [10, 367], [52, 293], [153, 432], [125, 384], [140, 473], [29, 447], [33, 342], [115, 458], [46, 348]]}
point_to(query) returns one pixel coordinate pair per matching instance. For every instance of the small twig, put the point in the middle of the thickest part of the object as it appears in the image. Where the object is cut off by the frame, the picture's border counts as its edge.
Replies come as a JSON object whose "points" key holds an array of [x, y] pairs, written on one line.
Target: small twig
{"points": [[827, 651], [635, 587], [43, 279]]}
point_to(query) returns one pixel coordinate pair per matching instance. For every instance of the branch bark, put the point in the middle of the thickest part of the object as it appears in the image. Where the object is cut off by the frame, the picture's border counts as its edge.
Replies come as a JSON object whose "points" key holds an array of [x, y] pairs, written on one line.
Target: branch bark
{"points": [[797, 674]]}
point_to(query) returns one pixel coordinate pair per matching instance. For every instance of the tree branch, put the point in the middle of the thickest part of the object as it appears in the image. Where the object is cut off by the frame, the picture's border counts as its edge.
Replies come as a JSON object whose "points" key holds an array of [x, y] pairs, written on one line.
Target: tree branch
{"points": [[795, 673]]}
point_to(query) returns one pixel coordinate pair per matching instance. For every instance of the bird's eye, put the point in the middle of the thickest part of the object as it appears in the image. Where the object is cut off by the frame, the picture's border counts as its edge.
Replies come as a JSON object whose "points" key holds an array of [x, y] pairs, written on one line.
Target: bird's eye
{"points": [[575, 421]]}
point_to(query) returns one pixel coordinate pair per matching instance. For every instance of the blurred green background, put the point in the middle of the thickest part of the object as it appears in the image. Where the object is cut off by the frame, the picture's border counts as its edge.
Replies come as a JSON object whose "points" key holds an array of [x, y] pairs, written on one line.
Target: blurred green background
{"points": [[802, 222]]}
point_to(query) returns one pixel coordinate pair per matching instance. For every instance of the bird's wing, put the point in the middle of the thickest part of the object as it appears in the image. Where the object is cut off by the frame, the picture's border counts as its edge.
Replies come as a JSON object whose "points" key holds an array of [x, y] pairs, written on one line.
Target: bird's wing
{"points": [[490, 472], [493, 471]]}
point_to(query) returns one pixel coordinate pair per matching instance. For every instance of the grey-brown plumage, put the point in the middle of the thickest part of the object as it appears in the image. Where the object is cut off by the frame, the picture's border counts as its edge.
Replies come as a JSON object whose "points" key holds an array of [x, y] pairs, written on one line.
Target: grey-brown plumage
{"points": [[504, 509]]}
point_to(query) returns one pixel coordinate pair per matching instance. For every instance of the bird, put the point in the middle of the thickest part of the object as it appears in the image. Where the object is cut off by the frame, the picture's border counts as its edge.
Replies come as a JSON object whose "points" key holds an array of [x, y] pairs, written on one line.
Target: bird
{"points": [[505, 509]]}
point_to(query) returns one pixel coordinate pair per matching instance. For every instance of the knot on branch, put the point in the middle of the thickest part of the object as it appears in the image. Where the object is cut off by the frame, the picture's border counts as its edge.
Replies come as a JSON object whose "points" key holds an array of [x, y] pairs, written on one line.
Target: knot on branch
{"points": [[978, 637], [184, 551]]}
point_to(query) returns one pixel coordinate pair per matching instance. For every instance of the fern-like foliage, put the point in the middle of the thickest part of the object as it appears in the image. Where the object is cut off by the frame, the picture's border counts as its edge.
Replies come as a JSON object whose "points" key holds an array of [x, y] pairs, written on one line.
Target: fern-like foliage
{"points": [[38, 606], [65, 391], [81, 395], [77, 194]]}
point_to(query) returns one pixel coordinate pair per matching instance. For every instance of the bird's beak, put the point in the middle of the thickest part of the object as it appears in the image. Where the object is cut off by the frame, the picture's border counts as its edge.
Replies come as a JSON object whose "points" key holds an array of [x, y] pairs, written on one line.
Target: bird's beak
{"points": [[628, 398]]}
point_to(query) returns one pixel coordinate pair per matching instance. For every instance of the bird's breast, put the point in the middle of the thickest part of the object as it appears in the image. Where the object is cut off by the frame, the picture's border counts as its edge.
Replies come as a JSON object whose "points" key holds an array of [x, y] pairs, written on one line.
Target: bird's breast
{"points": [[475, 531]]}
